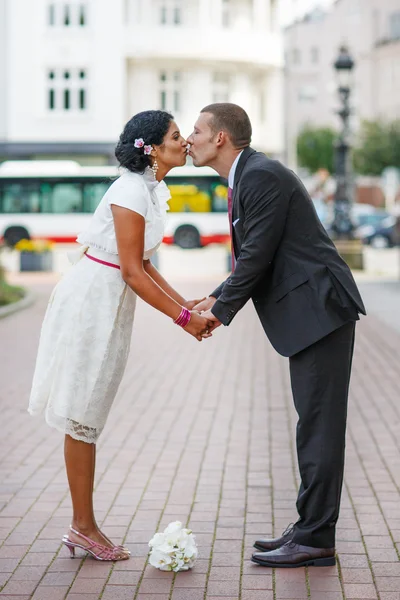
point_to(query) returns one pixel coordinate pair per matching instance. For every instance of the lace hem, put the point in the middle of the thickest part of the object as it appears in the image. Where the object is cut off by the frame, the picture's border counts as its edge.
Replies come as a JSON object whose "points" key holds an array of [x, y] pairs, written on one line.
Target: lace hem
{"points": [[82, 433], [79, 432]]}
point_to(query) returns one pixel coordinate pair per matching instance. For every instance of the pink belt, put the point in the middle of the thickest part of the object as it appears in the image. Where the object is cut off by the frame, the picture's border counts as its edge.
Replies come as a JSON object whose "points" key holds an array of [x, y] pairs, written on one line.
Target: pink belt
{"points": [[102, 262]]}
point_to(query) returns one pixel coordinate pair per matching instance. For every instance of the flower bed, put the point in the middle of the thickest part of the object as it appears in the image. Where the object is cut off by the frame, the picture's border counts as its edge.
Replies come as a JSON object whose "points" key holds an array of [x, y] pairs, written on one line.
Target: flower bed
{"points": [[9, 293]]}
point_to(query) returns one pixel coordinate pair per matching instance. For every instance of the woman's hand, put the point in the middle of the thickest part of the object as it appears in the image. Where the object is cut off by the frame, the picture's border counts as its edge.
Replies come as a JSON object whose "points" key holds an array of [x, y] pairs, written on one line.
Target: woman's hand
{"points": [[190, 304], [198, 326], [205, 304]]}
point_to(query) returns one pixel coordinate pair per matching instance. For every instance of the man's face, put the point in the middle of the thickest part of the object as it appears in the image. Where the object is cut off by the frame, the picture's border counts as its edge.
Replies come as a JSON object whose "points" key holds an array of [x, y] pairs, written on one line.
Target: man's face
{"points": [[203, 146]]}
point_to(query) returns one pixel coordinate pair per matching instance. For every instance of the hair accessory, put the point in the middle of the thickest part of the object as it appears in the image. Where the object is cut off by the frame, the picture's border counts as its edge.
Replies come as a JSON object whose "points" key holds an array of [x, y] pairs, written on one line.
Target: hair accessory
{"points": [[139, 143]]}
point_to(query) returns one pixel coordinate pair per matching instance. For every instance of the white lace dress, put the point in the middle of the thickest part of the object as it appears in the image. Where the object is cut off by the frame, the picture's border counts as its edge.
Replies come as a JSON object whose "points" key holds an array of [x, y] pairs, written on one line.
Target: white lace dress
{"points": [[86, 333]]}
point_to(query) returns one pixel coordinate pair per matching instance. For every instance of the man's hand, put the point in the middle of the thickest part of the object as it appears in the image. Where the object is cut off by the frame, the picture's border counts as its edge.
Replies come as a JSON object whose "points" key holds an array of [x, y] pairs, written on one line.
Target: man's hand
{"points": [[191, 304], [199, 326], [205, 304], [212, 320]]}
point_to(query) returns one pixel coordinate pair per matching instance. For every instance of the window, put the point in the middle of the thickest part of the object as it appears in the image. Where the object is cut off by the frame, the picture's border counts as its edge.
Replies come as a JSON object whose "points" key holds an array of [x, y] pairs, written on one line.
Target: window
{"points": [[296, 56], [221, 87], [314, 55], [170, 91], [20, 198], [177, 15], [394, 26], [52, 15], [170, 12], [307, 93], [67, 18], [67, 14], [46, 196], [66, 90], [92, 194], [226, 13], [82, 15]]}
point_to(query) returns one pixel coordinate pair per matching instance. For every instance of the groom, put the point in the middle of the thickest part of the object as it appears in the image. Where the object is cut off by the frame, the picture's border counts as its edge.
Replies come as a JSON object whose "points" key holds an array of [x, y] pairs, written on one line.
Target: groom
{"points": [[307, 302]]}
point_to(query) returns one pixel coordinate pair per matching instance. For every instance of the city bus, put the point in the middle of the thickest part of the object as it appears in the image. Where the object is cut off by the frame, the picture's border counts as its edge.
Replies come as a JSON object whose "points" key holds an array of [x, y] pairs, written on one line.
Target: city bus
{"points": [[53, 200]]}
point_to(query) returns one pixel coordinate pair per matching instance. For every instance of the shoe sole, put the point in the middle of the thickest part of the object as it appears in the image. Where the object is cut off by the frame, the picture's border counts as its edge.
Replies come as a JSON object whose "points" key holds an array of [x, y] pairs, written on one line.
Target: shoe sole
{"points": [[330, 561]]}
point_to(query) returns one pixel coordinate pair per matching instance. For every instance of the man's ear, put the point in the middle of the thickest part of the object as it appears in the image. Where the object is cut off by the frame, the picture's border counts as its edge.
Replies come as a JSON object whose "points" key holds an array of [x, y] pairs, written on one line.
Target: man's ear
{"points": [[221, 138]]}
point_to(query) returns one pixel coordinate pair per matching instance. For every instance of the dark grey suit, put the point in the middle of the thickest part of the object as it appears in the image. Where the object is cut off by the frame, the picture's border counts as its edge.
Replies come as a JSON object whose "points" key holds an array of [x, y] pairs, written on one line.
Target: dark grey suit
{"points": [[307, 302]]}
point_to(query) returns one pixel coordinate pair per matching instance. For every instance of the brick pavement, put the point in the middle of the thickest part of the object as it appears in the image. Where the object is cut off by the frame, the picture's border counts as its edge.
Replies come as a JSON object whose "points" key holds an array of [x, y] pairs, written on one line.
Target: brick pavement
{"points": [[203, 433]]}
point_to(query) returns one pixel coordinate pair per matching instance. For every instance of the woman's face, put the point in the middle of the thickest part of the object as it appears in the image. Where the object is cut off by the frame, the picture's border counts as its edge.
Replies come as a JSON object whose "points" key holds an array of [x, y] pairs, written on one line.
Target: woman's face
{"points": [[172, 152]]}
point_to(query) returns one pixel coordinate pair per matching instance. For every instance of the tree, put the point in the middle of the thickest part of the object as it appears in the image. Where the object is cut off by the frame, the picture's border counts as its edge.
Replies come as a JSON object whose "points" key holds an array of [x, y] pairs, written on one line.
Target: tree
{"points": [[315, 148], [377, 147]]}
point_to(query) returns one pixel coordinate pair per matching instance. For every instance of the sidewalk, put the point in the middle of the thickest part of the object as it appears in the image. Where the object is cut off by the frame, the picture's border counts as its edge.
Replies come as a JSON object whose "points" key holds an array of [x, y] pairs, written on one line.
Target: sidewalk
{"points": [[203, 433]]}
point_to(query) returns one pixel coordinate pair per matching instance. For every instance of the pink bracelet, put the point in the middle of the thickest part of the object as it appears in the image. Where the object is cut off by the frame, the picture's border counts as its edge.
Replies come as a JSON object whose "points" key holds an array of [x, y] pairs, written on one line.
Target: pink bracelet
{"points": [[183, 318]]}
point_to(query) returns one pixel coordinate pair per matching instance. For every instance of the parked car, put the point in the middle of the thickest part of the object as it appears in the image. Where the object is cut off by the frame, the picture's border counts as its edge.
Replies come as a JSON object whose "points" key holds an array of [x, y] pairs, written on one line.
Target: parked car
{"points": [[385, 234], [367, 223]]}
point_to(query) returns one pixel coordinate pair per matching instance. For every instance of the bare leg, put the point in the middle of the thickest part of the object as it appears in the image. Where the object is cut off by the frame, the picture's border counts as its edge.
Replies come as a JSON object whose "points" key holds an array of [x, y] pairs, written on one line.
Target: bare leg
{"points": [[80, 465]]}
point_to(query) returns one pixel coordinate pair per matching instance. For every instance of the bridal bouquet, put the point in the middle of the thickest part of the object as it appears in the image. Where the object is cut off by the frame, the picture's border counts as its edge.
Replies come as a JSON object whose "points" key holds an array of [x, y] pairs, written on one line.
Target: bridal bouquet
{"points": [[173, 550]]}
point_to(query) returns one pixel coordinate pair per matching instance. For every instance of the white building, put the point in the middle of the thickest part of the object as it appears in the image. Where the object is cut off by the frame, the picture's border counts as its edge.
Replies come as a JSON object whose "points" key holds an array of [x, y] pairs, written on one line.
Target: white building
{"points": [[72, 73], [371, 31]]}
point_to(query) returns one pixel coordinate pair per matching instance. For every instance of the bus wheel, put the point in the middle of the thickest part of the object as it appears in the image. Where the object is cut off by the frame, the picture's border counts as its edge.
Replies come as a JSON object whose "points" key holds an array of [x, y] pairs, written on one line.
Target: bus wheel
{"points": [[187, 237], [15, 234]]}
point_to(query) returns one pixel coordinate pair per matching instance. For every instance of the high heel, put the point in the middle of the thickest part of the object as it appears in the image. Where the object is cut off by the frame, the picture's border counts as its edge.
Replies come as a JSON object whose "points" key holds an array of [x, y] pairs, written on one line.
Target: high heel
{"points": [[98, 551], [69, 546]]}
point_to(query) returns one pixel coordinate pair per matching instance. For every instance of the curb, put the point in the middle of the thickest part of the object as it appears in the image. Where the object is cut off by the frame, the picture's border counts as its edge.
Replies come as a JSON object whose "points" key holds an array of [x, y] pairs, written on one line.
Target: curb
{"points": [[25, 302]]}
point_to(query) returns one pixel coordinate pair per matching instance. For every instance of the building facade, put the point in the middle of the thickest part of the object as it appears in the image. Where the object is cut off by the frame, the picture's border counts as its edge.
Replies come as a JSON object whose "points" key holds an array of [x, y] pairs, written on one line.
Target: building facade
{"points": [[371, 31], [72, 73]]}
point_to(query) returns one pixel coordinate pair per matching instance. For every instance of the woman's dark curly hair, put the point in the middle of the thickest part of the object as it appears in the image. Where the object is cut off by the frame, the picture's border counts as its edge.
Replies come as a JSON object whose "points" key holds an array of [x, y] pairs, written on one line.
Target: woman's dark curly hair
{"points": [[150, 125]]}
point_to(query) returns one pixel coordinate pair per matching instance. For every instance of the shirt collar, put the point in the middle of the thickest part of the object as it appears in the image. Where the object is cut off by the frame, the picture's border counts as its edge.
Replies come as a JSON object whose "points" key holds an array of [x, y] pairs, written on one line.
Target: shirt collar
{"points": [[231, 176]]}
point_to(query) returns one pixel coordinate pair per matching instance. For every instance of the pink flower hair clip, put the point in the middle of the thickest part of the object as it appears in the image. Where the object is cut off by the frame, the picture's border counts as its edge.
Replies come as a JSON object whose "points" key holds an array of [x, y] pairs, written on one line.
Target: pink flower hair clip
{"points": [[139, 143]]}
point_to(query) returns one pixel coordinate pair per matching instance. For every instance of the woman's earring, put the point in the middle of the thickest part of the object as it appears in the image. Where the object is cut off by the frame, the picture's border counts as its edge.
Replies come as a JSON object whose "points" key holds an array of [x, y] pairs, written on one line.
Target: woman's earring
{"points": [[154, 167]]}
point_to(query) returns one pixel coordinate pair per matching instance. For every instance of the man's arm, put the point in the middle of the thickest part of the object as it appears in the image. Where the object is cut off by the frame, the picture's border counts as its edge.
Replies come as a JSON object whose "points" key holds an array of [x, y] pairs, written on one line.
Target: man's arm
{"points": [[265, 209], [218, 291]]}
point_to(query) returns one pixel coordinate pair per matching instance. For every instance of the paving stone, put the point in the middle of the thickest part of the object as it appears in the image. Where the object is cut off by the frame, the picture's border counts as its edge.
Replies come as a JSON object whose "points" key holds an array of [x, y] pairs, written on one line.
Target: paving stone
{"points": [[200, 449]]}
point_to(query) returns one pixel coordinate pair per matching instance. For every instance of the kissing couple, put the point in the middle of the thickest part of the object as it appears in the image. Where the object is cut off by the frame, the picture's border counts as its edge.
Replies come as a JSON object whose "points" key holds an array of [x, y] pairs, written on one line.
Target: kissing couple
{"points": [[282, 258]]}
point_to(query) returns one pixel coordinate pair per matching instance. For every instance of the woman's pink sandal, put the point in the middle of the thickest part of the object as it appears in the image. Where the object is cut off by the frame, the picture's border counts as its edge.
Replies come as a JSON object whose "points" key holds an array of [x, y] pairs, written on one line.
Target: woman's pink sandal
{"points": [[98, 551]]}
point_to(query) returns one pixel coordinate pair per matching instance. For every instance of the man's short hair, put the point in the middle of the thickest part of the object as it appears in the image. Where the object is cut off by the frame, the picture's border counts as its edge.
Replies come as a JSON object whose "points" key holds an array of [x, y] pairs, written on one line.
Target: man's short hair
{"points": [[232, 119]]}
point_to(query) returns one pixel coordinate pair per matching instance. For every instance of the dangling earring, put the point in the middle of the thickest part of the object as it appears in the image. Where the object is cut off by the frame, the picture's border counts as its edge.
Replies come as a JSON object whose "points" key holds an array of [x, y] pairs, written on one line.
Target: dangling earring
{"points": [[154, 167]]}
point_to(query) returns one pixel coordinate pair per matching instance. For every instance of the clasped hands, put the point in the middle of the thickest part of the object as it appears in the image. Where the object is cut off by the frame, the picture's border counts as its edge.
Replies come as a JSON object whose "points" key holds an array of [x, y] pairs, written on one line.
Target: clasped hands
{"points": [[202, 322]]}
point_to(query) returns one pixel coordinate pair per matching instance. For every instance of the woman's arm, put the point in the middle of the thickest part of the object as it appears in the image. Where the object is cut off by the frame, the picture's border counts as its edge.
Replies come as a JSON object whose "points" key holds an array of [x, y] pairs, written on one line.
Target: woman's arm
{"points": [[168, 289], [130, 230], [164, 285]]}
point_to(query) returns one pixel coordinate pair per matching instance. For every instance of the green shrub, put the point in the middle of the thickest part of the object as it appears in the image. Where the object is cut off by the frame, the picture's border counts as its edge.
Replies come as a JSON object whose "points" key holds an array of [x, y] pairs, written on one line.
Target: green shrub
{"points": [[9, 293]]}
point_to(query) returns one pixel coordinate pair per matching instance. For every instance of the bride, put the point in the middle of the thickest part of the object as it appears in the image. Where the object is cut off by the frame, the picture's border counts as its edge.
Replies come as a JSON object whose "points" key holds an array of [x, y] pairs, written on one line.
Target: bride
{"points": [[85, 337]]}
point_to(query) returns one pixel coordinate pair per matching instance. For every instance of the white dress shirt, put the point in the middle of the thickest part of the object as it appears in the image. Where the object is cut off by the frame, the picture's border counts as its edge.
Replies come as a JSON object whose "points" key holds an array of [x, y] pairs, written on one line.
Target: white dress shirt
{"points": [[231, 176]]}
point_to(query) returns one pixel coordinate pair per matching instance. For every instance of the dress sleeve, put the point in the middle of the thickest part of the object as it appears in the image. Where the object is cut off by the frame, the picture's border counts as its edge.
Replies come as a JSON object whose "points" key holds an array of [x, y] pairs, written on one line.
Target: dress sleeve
{"points": [[129, 194]]}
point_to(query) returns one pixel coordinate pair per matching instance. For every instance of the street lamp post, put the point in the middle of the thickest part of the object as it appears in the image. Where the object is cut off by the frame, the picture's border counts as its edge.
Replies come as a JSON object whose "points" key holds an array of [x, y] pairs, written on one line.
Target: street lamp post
{"points": [[342, 226]]}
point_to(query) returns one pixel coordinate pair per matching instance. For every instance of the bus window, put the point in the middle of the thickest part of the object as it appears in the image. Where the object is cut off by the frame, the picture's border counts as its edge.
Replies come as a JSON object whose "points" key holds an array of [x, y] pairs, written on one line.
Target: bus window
{"points": [[188, 198], [92, 194], [219, 197], [61, 198], [20, 198]]}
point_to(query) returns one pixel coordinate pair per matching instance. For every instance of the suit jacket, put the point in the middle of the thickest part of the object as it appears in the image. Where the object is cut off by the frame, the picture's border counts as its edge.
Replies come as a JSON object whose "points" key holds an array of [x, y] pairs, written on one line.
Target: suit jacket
{"points": [[301, 288]]}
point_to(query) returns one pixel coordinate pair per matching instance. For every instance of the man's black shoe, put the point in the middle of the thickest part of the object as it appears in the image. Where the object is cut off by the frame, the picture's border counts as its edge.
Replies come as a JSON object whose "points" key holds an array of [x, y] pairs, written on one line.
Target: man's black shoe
{"points": [[273, 544], [292, 555]]}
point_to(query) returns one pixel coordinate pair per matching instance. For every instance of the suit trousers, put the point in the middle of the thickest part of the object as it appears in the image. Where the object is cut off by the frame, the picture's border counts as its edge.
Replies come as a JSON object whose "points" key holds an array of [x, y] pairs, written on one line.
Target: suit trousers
{"points": [[320, 377]]}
